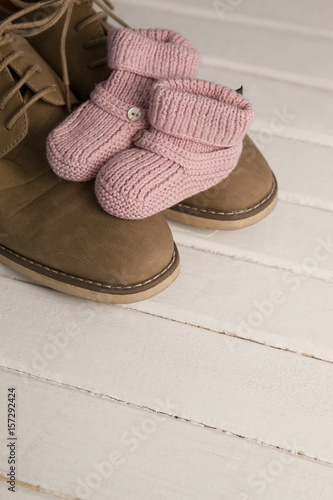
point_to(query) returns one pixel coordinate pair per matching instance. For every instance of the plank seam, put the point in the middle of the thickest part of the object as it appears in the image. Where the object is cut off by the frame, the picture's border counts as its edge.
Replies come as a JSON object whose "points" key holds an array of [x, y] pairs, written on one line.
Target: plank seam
{"points": [[293, 268], [38, 489], [107, 397], [227, 334], [200, 327], [299, 200]]}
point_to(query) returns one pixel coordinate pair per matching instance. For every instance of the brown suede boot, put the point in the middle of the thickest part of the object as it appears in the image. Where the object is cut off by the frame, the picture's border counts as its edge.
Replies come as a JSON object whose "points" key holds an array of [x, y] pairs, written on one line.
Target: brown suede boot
{"points": [[54, 231]]}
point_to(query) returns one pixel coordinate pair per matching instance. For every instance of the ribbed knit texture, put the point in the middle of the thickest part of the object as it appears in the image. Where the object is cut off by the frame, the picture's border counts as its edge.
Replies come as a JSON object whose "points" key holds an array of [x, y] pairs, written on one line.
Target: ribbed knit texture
{"points": [[194, 142], [155, 53], [79, 147]]}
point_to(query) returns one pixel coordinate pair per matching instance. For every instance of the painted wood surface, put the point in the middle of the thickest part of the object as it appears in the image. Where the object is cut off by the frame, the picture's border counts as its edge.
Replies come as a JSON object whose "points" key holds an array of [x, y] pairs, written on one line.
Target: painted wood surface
{"points": [[298, 16], [208, 376], [103, 449]]}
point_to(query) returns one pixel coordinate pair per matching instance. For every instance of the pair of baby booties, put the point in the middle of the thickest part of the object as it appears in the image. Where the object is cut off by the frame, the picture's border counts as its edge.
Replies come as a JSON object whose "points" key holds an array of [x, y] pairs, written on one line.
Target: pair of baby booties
{"points": [[152, 134]]}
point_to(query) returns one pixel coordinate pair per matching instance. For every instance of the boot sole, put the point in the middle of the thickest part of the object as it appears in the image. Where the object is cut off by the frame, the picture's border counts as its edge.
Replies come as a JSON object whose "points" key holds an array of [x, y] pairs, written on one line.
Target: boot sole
{"points": [[90, 290], [228, 221]]}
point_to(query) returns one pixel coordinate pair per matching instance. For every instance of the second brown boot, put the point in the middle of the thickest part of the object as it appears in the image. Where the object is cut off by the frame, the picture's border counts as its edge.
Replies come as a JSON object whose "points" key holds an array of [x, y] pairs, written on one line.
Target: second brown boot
{"points": [[248, 195]]}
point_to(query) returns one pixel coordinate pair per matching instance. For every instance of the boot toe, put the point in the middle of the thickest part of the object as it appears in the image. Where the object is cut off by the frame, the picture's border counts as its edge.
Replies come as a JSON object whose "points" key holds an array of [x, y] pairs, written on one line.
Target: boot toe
{"points": [[65, 241]]}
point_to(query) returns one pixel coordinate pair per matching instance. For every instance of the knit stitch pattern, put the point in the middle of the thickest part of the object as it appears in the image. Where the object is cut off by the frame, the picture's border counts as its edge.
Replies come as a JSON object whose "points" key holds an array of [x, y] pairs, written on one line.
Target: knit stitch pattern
{"points": [[79, 147], [195, 140]]}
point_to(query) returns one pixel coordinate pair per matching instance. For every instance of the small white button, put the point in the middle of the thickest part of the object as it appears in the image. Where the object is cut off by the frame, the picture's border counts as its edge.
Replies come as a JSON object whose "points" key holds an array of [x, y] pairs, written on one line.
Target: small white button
{"points": [[134, 114]]}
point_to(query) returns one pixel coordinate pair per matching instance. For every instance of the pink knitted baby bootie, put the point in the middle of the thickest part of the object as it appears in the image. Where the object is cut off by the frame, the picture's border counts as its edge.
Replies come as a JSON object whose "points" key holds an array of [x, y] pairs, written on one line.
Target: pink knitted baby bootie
{"points": [[194, 142], [105, 125]]}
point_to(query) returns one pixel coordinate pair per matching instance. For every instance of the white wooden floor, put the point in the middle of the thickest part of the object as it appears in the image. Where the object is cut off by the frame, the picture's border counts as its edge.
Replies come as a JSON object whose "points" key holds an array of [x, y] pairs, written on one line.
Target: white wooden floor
{"points": [[221, 388]]}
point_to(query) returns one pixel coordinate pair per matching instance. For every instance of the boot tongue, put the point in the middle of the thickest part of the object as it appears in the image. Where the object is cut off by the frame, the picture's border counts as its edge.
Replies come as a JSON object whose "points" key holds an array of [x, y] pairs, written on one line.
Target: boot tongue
{"points": [[39, 80], [43, 79]]}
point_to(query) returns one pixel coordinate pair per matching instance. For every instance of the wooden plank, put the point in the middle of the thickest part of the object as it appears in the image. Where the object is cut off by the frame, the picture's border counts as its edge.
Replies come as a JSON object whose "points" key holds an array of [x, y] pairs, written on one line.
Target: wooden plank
{"points": [[265, 50], [294, 238], [101, 449], [139, 359], [303, 171], [267, 305], [282, 109], [300, 16]]}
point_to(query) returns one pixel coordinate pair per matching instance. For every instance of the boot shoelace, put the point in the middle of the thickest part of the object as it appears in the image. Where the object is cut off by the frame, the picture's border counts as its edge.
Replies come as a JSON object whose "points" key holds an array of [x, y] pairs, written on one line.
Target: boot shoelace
{"points": [[58, 8], [8, 28], [107, 8]]}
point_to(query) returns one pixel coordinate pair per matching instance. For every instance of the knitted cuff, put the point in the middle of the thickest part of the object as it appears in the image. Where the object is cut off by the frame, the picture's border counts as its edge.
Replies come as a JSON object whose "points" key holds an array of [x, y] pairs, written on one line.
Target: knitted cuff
{"points": [[154, 53], [200, 111]]}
